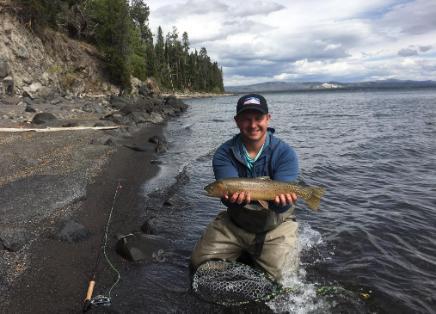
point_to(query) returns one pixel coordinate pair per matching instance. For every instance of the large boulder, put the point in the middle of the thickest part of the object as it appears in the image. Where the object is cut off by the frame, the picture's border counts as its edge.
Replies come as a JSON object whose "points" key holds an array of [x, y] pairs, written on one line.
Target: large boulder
{"points": [[43, 117], [32, 90]]}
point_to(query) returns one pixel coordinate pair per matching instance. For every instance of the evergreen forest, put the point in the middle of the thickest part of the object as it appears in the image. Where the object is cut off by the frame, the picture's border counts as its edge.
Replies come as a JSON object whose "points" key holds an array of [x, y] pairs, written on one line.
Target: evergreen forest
{"points": [[120, 30]]}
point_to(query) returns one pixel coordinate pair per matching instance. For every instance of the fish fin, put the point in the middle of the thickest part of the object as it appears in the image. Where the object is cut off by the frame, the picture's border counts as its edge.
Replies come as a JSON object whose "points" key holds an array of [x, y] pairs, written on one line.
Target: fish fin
{"points": [[315, 197], [266, 178], [264, 204]]}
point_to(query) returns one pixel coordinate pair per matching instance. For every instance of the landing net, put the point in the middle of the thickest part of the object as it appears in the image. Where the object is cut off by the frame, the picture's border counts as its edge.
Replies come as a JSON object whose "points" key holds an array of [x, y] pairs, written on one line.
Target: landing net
{"points": [[232, 283]]}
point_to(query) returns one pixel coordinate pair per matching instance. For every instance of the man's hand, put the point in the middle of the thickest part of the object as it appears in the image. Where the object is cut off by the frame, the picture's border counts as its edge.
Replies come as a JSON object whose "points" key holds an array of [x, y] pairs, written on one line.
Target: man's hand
{"points": [[285, 199], [245, 197], [238, 197]]}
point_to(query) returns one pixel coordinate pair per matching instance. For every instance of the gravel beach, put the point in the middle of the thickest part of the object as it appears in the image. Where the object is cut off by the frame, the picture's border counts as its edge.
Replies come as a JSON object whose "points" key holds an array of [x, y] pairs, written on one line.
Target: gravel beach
{"points": [[58, 187]]}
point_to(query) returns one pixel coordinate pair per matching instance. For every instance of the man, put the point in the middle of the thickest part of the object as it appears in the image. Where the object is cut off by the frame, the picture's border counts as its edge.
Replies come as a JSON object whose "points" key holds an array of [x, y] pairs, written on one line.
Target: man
{"points": [[268, 235]]}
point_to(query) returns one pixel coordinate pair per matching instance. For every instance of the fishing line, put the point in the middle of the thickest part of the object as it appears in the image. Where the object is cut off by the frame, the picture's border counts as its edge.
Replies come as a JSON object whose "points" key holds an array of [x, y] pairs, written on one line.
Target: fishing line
{"points": [[102, 299]]}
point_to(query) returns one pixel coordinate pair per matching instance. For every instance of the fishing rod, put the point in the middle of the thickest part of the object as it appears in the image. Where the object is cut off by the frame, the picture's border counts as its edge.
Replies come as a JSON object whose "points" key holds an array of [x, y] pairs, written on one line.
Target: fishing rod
{"points": [[98, 300]]}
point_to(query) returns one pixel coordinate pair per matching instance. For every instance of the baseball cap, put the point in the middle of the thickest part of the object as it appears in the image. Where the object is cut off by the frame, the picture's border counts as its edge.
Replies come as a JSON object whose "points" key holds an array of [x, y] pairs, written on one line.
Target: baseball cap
{"points": [[252, 102]]}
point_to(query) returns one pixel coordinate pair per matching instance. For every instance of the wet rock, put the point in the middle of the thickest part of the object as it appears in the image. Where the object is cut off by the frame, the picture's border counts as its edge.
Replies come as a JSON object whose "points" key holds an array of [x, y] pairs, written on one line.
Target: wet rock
{"points": [[138, 247], [161, 148], [155, 139], [176, 103], [13, 239], [161, 143], [156, 162], [149, 226], [72, 231], [138, 148], [168, 202], [43, 117]]}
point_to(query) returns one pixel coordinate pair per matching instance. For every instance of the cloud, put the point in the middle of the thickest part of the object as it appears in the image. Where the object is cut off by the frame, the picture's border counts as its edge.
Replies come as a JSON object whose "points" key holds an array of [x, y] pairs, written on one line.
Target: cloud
{"points": [[424, 48], [408, 52], [308, 40], [412, 17]]}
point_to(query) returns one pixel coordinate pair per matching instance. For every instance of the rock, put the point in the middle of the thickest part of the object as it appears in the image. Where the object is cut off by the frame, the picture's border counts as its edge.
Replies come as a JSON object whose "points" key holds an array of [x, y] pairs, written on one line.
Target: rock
{"points": [[139, 117], [43, 117], [13, 239], [29, 109], [169, 202], [118, 102], [109, 142], [72, 231], [161, 148], [4, 69], [21, 52], [143, 90], [149, 226], [8, 86], [156, 117], [56, 101], [34, 87], [45, 92], [69, 124], [28, 101], [137, 148], [156, 139], [153, 87], [89, 107], [156, 162], [138, 247], [161, 143], [105, 140]]}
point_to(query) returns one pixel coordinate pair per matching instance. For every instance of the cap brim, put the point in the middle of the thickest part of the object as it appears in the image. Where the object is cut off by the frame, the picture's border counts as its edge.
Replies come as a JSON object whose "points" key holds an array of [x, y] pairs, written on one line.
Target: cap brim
{"points": [[252, 107]]}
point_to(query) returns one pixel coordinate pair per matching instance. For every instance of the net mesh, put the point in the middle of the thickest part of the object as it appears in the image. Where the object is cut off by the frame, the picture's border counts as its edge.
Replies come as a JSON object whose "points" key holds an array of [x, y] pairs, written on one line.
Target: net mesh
{"points": [[233, 283]]}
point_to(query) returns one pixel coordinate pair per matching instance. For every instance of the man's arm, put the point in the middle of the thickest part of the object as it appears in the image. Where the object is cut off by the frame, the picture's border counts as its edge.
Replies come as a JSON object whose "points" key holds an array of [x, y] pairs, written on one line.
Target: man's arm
{"points": [[285, 169], [224, 167]]}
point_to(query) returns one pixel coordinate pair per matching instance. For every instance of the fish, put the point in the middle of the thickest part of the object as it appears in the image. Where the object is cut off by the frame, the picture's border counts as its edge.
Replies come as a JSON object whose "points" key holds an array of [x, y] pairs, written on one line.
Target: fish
{"points": [[265, 189]]}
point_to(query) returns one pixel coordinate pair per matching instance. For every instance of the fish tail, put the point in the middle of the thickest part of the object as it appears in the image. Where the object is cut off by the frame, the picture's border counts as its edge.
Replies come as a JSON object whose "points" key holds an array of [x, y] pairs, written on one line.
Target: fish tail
{"points": [[314, 197]]}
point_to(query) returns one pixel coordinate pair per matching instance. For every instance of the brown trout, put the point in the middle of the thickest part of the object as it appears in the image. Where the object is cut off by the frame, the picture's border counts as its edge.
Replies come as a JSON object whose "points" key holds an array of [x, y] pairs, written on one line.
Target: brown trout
{"points": [[265, 189]]}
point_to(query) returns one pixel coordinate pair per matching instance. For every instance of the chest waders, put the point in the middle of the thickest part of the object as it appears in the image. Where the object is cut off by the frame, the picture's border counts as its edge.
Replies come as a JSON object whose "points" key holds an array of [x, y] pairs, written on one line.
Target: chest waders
{"points": [[258, 220]]}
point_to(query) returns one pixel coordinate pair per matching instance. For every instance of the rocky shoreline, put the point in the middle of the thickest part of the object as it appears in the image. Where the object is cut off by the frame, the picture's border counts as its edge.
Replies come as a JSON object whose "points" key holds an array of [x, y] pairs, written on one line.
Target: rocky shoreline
{"points": [[56, 187]]}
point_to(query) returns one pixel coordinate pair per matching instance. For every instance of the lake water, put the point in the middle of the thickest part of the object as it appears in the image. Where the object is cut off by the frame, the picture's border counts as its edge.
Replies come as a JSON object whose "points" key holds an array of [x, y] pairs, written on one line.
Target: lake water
{"points": [[371, 248]]}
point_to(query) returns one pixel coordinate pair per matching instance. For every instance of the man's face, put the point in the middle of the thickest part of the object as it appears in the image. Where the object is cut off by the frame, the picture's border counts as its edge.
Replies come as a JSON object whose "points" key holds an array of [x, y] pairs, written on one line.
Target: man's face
{"points": [[253, 124]]}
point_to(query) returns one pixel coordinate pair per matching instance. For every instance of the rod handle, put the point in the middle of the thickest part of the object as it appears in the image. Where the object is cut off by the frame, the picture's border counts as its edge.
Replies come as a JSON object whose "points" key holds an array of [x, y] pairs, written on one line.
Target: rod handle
{"points": [[90, 290], [87, 302]]}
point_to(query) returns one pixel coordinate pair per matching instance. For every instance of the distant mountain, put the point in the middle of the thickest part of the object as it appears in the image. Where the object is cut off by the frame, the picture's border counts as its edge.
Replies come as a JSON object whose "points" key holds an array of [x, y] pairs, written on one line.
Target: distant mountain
{"points": [[316, 86]]}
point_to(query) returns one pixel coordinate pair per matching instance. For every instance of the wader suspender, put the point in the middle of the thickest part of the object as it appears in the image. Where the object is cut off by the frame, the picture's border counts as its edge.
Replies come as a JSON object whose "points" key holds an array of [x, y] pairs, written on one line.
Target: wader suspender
{"points": [[259, 240]]}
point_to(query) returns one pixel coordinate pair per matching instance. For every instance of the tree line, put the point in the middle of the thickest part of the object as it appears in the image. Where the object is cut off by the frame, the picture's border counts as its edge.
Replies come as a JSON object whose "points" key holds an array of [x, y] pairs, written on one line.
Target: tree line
{"points": [[120, 30]]}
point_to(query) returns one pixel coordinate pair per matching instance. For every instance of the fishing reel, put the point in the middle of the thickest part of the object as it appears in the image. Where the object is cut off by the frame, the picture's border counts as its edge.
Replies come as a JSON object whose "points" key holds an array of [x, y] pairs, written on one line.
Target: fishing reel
{"points": [[98, 300]]}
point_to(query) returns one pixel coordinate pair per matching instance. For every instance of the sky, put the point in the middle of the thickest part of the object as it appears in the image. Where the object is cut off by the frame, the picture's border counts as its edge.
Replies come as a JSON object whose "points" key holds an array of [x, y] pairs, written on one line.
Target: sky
{"points": [[307, 40]]}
